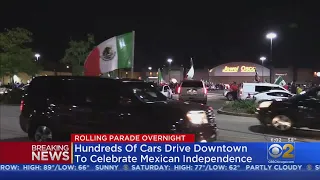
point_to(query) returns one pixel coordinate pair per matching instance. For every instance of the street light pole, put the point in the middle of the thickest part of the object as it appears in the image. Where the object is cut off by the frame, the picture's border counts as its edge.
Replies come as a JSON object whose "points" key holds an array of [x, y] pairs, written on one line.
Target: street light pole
{"points": [[150, 73], [169, 73], [262, 59], [271, 36], [37, 56]]}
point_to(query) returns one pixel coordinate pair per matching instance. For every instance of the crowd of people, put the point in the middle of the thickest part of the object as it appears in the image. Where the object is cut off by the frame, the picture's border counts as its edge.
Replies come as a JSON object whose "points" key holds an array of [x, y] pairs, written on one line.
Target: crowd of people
{"points": [[298, 88]]}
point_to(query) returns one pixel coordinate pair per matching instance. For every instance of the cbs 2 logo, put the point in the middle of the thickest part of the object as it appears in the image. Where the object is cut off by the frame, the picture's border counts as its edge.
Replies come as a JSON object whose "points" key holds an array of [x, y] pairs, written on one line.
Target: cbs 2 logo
{"points": [[286, 151]]}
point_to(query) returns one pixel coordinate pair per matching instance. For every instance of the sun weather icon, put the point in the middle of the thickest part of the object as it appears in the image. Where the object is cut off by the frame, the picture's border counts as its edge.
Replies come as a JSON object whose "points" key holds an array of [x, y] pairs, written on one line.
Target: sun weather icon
{"points": [[309, 167]]}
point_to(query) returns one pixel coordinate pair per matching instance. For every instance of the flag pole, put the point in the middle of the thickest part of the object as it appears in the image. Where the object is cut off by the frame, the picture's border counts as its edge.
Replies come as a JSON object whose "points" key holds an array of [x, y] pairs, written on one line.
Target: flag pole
{"points": [[158, 77], [133, 44]]}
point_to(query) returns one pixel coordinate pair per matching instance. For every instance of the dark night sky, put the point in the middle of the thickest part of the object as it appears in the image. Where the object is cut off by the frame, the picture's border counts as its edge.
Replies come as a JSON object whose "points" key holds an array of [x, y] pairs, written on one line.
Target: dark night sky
{"points": [[212, 33]]}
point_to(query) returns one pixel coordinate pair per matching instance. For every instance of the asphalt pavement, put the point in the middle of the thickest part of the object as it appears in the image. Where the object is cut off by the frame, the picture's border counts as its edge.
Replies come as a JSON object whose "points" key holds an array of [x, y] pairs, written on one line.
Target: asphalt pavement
{"points": [[231, 128]]}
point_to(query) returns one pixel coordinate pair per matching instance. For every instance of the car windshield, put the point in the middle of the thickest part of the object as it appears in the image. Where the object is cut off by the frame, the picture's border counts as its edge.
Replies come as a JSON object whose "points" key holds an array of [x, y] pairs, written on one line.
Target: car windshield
{"points": [[147, 92]]}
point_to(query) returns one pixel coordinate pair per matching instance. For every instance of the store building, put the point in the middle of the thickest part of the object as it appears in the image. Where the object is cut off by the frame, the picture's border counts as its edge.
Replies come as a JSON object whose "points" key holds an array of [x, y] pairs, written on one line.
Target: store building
{"points": [[174, 74], [25, 78], [238, 72]]}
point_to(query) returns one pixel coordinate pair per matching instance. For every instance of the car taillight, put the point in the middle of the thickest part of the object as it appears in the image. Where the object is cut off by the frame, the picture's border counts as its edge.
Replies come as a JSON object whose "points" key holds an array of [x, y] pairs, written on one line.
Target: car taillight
{"points": [[179, 90], [240, 92], [21, 105]]}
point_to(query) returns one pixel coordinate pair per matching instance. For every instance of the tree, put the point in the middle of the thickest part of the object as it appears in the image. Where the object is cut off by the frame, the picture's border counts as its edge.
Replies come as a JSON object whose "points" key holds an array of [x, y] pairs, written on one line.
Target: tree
{"points": [[77, 53], [15, 56]]}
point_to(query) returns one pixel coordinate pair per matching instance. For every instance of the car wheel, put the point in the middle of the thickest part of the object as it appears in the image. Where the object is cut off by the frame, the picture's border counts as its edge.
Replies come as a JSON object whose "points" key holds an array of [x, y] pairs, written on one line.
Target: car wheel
{"points": [[282, 123], [41, 133], [229, 96]]}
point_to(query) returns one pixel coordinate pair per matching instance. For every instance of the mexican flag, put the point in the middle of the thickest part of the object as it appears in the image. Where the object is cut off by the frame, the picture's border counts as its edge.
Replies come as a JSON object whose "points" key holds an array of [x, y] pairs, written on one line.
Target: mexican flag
{"points": [[160, 79], [280, 81], [190, 73], [114, 53]]}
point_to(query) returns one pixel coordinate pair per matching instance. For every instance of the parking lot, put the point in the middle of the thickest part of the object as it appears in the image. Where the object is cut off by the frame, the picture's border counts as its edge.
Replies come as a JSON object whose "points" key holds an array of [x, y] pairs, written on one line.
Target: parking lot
{"points": [[231, 128], [9, 123]]}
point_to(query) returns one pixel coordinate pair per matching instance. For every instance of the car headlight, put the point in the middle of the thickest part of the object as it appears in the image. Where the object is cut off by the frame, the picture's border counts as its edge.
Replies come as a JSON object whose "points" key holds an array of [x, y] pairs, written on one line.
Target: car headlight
{"points": [[265, 104], [197, 117]]}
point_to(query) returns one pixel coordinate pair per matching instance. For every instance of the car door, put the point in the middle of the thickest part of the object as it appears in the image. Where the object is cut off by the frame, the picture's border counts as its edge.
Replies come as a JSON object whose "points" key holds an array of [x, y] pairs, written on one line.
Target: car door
{"points": [[260, 97], [117, 111], [72, 105], [310, 108], [273, 96]]}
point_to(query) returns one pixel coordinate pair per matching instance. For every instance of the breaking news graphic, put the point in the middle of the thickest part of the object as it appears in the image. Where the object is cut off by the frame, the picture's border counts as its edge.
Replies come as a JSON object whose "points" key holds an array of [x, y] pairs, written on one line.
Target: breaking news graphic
{"points": [[157, 153]]}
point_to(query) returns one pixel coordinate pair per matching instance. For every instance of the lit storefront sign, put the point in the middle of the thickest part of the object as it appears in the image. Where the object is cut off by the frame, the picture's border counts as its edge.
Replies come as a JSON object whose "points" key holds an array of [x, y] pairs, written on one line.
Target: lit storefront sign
{"points": [[316, 74], [281, 74], [234, 69]]}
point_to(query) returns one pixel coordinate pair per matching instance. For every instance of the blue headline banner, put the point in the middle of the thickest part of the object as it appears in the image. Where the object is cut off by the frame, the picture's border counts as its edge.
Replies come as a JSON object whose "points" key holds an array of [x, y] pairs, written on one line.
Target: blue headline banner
{"points": [[201, 154], [179, 160]]}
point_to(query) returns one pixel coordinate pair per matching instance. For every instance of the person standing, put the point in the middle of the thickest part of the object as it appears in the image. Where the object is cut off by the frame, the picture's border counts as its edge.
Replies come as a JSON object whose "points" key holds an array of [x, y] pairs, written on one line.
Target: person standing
{"points": [[293, 88], [299, 89], [234, 90]]}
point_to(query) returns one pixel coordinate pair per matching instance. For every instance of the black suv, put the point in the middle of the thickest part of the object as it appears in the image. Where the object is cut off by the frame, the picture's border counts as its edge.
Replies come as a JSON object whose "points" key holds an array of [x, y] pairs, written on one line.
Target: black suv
{"points": [[299, 111], [56, 106]]}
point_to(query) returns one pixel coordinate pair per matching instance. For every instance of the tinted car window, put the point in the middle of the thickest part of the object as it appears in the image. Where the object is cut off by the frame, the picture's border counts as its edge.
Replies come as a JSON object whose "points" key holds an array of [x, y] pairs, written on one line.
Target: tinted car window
{"points": [[272, 94], [166, 88], [277, 88], [74, 92], [43, 87], [192, 84], [282, 94], [263, 88], [279, 94], [146, 92]]}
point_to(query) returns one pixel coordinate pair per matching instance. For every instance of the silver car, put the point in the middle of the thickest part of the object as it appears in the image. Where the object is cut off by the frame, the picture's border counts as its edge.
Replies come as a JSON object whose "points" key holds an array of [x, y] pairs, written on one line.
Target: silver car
{"points": [[193, 90]]}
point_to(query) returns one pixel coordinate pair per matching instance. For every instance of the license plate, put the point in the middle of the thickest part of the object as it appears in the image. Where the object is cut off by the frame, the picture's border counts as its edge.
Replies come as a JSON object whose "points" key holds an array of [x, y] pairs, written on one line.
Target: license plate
{"points": [[191, 91]]}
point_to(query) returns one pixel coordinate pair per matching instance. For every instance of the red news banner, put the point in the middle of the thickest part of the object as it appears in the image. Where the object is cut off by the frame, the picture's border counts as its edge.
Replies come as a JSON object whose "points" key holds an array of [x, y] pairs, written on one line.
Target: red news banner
{"points": [[61, 152], [127, 138]]}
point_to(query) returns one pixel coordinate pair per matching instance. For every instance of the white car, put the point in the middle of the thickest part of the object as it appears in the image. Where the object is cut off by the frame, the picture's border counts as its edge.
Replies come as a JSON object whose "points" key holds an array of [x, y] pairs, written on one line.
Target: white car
{"points": [[247, 90], [272, 95], [166, 90]]}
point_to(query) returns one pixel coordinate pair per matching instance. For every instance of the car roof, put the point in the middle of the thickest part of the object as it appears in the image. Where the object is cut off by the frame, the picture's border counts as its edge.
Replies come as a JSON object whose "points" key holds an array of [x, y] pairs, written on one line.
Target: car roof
{"points": [[277, 91], [40, 78], [130, 80], [190, 80], [262, 84], [96, 79]]}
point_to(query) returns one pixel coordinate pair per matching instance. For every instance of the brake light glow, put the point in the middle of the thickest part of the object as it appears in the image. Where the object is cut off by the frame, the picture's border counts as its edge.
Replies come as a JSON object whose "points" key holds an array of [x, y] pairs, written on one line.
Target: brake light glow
{"points": [[179, 90], [21, 105]]}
